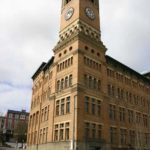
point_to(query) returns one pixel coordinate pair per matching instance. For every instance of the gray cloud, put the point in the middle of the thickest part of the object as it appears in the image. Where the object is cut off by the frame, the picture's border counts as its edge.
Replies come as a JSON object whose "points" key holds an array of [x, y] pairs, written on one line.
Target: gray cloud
{"points": [[29, 31]]}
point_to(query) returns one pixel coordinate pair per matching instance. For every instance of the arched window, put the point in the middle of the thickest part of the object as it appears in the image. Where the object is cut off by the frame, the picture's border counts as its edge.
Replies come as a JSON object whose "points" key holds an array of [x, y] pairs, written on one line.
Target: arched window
{"points": [[85, 60], [58, 85], [70, 80], [71, 60], [66, 65], [66, 82], [60, 67], [63, 66], [62, 84], [68, 62], [57, 67]]}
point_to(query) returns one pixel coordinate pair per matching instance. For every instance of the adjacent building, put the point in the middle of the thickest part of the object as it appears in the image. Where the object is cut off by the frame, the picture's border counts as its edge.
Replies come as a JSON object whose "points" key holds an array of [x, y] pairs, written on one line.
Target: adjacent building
{"points": [[2, 121], [12, 119], [83, 99]]}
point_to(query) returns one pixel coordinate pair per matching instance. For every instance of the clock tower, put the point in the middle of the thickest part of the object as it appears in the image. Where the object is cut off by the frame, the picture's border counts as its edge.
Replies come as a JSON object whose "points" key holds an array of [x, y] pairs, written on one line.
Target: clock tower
{"points": [[80, 43]]}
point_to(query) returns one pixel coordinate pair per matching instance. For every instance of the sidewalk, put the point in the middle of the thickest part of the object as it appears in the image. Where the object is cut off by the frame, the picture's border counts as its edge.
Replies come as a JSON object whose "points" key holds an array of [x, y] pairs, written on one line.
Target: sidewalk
{"points": [[6, 148]]}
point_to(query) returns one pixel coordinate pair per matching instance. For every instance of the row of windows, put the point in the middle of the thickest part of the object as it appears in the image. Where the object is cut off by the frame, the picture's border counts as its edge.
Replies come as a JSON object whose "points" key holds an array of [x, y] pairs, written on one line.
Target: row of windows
{"points": [[62, 132], [92, 82], [92, 106], [63, 106], [64, 83], [121, 94], [92, 64], [45, 114], [34, 118], [33, 137], [128, 137], [38, 85], [130, 115], [36, 99], [17, 116], [65, 64], [121, 78], [92, 131], [43, 135]]}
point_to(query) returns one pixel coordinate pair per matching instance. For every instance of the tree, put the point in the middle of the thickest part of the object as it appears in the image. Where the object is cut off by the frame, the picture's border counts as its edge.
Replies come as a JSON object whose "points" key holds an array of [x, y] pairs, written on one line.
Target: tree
{"points": [[20, 131]]}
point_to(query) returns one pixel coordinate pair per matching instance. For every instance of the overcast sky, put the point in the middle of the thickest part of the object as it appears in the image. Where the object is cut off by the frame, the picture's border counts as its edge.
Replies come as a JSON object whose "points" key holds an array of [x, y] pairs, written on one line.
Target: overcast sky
{"points": [[29, 31]]}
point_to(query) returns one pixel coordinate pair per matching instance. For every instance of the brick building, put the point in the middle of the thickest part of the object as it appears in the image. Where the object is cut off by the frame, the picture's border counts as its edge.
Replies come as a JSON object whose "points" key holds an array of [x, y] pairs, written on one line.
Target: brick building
{"points": [[83, 99], [12, 119]]}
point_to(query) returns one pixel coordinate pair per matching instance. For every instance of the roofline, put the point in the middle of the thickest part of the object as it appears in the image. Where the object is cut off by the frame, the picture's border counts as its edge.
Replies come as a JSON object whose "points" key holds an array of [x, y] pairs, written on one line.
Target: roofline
{"points": [[38, 70], [16, 111], [43, 67], [129, 69]]}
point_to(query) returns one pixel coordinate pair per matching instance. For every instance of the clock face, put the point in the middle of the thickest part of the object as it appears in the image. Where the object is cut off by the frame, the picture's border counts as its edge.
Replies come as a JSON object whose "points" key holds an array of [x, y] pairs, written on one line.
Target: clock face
{"points": [[90, 13], [69, 13]]}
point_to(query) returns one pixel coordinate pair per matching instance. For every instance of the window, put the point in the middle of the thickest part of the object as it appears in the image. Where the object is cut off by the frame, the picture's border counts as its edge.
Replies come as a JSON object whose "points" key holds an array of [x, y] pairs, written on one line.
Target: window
{"points": [[40, 136], [93, 131], [66, 82], [138, 118], [93, 106], [112, 112], [87, 130], [62, 84], [99, 85], [111, 90], [58, 85], [98, 107], [86, 80], [113, 135], [132, 137], [67, 131], [68, 105], [62, 111], [122, 114], [70, 80], [71, 60], [123, 136], [46, 134], [90, 82], [145, 120], [10, 115], [43, 139], [99, 132], [57, 107], [56, 133], [130, 116], [42, 115], [86, 104], [94, 83], [61, 135]]}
